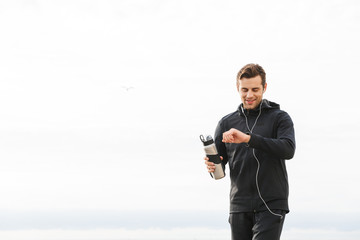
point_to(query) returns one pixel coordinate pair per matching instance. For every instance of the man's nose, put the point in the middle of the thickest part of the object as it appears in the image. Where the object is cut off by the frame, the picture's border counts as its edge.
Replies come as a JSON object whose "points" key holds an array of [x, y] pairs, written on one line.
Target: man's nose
{"points": [[249, 94]]}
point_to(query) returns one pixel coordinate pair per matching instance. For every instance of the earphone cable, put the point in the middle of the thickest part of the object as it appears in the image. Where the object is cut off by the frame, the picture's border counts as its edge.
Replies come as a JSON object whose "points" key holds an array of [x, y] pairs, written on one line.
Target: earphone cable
{"points": [[258, 162]]}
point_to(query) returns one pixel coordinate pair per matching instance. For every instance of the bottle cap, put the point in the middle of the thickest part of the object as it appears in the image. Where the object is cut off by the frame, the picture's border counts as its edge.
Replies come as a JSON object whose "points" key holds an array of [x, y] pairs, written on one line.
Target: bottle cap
{"points": [[207, 141]]}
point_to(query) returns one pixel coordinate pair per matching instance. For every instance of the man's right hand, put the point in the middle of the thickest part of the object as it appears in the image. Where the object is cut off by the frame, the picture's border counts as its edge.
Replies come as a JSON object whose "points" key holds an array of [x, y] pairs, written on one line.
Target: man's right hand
{"points": [[235, 136], [210, 165]]}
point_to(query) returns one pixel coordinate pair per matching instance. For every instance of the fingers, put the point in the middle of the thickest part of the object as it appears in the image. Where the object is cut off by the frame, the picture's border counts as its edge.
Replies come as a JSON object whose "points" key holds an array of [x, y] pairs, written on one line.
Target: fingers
{"points": [[228, 137], [209, 165], [235, 136], [207, 159]]}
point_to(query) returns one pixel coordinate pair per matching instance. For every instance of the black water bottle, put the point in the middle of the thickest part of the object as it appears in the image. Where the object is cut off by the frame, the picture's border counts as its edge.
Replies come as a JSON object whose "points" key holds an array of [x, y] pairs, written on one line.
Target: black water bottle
{"points": [[212, 154]]}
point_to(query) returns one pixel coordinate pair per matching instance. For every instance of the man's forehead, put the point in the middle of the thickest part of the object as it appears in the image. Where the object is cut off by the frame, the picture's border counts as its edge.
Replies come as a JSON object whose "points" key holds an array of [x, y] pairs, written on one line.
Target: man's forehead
{"points": [[254, 82]]}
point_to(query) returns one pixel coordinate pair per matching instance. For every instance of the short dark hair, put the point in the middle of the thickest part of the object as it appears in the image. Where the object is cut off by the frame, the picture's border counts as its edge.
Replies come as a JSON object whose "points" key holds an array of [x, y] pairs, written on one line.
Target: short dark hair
{"points": [[251, 70]]}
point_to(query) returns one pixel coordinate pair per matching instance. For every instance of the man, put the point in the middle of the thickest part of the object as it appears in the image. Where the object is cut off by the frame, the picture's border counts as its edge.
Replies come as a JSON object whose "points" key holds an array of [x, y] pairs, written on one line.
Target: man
{"points": [[254, 141]]}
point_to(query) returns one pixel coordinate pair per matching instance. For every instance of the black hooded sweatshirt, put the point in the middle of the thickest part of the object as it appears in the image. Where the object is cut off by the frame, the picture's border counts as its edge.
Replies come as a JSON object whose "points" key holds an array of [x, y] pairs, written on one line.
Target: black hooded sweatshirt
{"points": [[273, 141]]}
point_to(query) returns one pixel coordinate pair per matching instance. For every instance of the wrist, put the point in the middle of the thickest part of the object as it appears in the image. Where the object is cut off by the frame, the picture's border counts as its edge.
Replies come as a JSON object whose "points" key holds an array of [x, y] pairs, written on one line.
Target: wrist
{"points": [[247, 138]]}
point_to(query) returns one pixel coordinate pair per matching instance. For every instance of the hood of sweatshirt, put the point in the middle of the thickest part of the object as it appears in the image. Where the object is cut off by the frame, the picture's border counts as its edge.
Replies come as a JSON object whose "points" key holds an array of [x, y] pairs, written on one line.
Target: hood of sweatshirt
{"points": [[264, 106]]}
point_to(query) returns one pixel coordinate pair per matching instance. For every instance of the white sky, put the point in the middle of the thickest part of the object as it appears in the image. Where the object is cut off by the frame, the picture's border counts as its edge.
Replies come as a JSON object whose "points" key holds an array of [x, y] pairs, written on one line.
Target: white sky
{"points": [[74, 138]]}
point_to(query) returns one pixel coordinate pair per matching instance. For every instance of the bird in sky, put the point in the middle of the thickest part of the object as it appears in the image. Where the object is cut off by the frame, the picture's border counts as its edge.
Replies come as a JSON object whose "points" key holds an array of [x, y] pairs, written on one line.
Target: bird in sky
{"points": [[127, 88]]}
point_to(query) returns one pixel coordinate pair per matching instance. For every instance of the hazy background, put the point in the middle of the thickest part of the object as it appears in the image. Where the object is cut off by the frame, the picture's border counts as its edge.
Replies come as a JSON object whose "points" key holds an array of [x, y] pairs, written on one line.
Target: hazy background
{"points": [[103, 102]]}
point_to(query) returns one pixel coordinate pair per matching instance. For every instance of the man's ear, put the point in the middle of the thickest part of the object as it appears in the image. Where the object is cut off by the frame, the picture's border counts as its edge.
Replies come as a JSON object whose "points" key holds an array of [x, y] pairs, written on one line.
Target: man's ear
{"points": [[265, 86]]}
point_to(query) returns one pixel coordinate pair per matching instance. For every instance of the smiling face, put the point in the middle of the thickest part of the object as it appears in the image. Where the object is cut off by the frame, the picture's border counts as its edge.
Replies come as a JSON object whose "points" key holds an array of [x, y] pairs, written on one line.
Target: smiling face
{"points": [[251, 91]]}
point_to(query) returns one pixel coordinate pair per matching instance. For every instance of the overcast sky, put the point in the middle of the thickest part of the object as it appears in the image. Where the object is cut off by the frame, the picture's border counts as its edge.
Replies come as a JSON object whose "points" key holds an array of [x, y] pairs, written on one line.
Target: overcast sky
{"points": [[103, 102]]}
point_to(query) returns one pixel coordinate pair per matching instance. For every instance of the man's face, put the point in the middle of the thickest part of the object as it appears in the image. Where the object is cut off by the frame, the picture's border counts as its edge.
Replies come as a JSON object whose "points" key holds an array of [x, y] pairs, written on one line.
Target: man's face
{"points": [[251, 91]]}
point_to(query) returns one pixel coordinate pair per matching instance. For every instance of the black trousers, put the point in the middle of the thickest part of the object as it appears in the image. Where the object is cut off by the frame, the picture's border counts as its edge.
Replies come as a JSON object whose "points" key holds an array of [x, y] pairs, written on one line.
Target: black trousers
{"points": [[256, 226]]}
